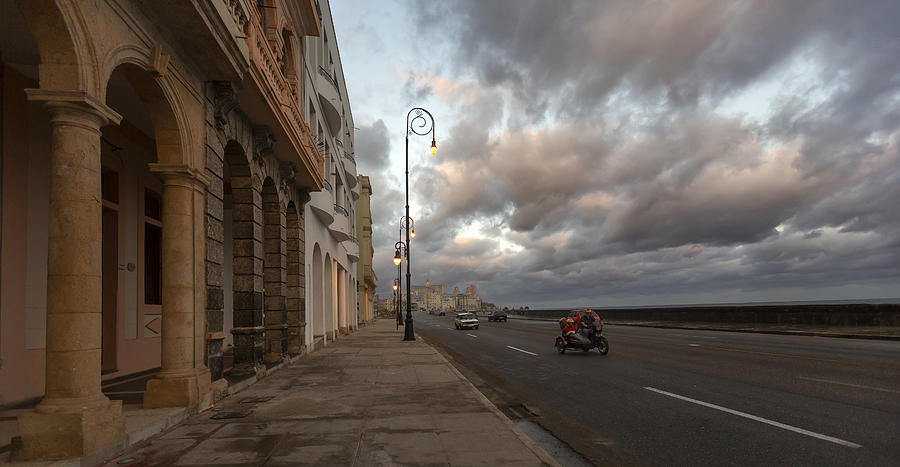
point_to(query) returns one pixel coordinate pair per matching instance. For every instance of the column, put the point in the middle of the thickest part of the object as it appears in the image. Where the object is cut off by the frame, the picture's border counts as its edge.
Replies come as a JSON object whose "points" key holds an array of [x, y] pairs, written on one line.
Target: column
{"points": [[74, 418], [247, 230], [294, 289], [274, 277], [184, 379]]}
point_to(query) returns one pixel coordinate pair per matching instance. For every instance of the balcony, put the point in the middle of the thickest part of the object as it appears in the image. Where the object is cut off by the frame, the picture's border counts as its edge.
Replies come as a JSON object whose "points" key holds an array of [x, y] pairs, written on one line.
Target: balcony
{"points": [[268, 97], [354, 191], [330, 100], [370, 278], [321, 203], [350, 169], [352, 247], [340, 228]]}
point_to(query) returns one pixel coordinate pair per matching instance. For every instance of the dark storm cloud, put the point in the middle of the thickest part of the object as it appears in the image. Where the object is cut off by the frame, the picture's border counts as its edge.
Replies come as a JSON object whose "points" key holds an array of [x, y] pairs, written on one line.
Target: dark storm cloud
{"points": [[591, 133], [575, 53]]}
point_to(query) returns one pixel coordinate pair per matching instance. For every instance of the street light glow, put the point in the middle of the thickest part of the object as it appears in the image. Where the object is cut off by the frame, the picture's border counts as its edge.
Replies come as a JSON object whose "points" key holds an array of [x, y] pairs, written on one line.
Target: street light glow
{"points": [[397, 258], [433, 147]]}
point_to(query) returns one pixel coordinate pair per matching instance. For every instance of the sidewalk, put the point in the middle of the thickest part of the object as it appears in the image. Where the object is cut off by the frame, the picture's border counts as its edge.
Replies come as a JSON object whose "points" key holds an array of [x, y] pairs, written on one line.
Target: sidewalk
{"points": [[849, 332], [367, 399]]}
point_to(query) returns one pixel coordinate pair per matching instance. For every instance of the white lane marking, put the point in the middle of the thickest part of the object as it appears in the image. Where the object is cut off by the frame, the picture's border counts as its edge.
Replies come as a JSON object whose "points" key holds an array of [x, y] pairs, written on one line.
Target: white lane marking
{"points": [[758, 419], [450, 329], [693, 345], [472, 335], [850, 384], [520, 350]]}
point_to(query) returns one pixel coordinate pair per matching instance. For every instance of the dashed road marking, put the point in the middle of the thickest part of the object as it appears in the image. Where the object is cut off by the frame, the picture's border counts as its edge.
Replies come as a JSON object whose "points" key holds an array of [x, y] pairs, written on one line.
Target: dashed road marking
{"points": [[520, 350], [861, 386], [693, 345], [758, 419], [472, 335]]}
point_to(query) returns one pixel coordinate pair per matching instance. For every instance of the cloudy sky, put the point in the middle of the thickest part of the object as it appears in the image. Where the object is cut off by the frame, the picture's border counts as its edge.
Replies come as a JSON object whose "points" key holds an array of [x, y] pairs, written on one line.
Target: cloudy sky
{"points": [[624, 152]]}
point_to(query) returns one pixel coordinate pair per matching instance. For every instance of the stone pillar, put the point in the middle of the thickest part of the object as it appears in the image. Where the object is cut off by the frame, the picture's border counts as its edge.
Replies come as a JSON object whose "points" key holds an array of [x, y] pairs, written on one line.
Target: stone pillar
{"points": [[184, 378], [248, 272], [294, 297], [74, 418], [274, 276]]}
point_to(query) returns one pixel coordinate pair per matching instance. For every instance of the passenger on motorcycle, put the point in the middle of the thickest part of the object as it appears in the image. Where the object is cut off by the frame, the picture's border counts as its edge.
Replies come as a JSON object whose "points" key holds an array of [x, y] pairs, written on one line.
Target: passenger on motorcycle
{"points": [[568, 327]]}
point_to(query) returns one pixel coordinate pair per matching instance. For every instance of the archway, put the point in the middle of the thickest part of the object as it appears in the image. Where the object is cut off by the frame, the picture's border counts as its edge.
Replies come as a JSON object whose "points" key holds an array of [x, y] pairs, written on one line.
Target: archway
{"points": [[133, 229], [317, 314], [330, 308], [244, 202]]}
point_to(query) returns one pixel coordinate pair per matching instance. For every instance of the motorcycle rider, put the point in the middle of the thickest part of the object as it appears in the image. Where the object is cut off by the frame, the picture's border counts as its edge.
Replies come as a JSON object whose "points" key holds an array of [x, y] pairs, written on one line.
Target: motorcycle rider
{"points": [[589, 317]]}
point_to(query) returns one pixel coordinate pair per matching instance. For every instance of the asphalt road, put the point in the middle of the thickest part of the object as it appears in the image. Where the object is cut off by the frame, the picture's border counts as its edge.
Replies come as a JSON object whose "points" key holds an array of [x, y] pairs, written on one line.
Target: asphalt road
{"points": [[682, 397]]}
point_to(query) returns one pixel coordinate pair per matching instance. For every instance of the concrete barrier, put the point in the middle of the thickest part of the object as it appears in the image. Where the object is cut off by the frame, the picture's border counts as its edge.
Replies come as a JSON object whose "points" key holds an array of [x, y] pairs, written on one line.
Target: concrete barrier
{"points": [[862, 314]]}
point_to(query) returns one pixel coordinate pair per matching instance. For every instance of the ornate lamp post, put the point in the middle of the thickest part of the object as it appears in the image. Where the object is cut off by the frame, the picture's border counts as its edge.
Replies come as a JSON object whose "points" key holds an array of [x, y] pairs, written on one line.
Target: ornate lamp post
{"points": [[398, 283], [421, 126], [397, 297]]}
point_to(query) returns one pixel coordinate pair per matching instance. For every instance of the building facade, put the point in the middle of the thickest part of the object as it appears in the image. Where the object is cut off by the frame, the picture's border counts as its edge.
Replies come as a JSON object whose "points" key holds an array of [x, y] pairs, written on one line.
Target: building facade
{"points": [[331, 244], [367, 286], [429, 296], [163, 168]]}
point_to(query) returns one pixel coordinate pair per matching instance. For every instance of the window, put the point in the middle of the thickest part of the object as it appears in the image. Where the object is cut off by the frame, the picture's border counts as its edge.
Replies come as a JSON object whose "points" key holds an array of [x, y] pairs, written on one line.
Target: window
{"points": [[152, 249]]}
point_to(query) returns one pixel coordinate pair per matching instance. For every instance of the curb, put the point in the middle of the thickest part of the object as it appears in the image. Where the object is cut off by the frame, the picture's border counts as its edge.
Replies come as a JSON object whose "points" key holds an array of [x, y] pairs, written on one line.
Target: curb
{"points": [[751, 331], [529, 443]]}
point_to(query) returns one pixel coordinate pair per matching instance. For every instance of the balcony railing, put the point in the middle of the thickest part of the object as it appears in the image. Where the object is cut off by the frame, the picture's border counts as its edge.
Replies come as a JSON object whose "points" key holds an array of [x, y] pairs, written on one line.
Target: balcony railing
{"points": [[340, 210], [350, 157], [328, 186], [353, 240], [329, 78]]}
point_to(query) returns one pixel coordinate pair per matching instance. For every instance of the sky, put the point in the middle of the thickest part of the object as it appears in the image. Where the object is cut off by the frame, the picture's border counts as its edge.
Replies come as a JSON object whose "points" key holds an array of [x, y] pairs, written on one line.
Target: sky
{"points": [[626, 153]]}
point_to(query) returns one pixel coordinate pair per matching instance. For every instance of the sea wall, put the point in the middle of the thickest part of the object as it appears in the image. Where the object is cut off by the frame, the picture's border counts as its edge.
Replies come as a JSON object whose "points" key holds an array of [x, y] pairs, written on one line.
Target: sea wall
{"points": [[818, 315]]}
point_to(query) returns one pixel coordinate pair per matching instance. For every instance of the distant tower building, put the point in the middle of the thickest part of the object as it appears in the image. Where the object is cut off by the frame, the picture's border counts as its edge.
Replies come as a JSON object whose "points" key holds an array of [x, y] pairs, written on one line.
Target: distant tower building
{"points": [[472, 290], [456, 290]]}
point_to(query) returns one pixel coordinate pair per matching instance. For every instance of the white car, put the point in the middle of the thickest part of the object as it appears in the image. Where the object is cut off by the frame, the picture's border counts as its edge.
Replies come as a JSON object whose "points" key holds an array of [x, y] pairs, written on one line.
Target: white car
{"points": [[466, 320]]}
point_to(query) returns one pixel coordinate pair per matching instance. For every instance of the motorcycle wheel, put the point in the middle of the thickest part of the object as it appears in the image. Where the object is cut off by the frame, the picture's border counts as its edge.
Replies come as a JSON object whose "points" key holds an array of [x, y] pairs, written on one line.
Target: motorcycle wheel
{"points": [[560, 346], [604, 346]]}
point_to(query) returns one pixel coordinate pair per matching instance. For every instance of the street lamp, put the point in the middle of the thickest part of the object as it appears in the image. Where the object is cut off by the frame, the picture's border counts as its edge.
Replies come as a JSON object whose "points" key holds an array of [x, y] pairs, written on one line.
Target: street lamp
{"points": [[421, 126], [412, 226], [398, 283], [397, 298]]}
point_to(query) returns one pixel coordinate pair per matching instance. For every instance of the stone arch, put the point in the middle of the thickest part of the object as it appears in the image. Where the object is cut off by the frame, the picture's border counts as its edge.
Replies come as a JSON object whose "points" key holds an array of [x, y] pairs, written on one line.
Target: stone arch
{"points": [[247, 232], [295, 299], [317, 315], [68, 58], [159, 95]]}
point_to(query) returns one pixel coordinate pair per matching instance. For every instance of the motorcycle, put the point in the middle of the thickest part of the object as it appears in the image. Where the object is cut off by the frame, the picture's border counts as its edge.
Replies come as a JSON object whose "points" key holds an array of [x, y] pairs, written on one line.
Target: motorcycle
{"points": [[587, 337]]}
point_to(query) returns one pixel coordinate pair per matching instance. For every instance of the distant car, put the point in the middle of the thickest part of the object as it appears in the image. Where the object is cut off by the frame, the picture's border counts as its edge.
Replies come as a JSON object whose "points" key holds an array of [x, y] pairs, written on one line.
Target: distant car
{"points": [[442, 313], [466, 320], [498, 315]]}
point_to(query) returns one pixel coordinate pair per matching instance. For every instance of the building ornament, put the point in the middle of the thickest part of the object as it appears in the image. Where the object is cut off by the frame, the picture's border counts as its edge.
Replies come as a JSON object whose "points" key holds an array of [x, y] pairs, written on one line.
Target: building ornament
{"points": [[225, 100], [263, 143], [159, 61]]}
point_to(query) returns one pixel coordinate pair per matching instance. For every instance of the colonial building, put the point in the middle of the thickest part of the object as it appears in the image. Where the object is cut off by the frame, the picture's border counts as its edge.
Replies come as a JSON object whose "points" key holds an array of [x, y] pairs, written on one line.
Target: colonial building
{"points": [[331, 244], [366, 290], [178, 196], [429, 295]]}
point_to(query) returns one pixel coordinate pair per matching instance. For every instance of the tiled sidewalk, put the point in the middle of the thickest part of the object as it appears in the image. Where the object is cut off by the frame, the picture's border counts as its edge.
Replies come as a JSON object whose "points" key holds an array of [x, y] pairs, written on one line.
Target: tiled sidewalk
{"points": [[367, 399]]}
